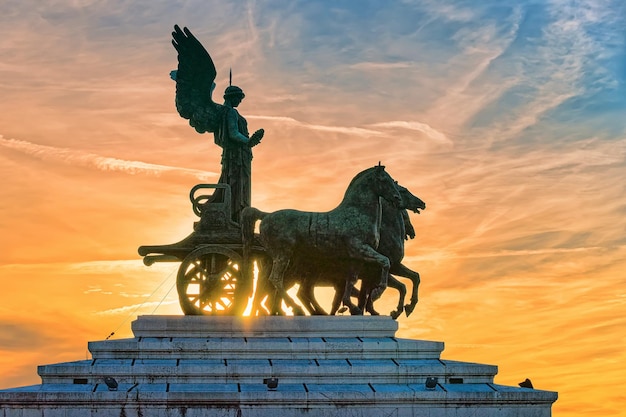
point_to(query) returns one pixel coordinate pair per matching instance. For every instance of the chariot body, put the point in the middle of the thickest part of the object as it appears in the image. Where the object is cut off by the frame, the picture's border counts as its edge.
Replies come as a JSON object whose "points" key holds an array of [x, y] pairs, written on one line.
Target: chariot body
{"points": [[211, 278]]}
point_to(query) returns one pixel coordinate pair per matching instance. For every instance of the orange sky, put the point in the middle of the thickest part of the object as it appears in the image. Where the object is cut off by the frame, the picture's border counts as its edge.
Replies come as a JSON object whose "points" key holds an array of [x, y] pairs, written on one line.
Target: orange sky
{"points": [[506, 120]]}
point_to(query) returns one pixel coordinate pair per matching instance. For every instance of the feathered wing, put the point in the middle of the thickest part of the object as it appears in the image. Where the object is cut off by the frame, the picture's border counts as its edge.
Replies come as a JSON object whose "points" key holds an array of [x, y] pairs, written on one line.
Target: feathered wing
{"points": [[195, 82]]}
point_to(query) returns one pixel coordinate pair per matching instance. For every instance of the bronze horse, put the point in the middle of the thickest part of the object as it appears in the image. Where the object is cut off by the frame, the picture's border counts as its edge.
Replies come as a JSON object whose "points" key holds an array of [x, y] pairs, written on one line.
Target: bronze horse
{"points": [[349, 231], [394, 232], [395, 228]]}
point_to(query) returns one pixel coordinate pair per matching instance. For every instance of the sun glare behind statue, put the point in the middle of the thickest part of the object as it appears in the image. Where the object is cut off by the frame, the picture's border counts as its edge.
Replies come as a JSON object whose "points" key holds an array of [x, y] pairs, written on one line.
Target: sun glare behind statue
{"points": [[288, 311], [248, 311]]}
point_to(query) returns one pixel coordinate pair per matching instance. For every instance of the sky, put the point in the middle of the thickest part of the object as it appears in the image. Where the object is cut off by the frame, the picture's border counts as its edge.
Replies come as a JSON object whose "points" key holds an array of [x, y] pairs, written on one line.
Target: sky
{"points": [[506, 118]]}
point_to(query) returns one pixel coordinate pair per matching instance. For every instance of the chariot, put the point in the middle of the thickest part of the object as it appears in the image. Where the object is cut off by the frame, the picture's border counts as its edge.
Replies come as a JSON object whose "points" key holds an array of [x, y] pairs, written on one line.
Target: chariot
{"points": [[211, 278]]}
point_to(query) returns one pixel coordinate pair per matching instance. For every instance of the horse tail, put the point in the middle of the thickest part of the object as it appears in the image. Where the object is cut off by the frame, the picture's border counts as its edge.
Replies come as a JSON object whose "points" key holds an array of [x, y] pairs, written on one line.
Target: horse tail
{"points": [[249, 216]]}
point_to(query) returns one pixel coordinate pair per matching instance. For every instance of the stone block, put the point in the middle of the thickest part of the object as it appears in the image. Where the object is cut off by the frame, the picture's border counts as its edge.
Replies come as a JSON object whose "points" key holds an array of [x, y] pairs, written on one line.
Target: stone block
{"points": [[269, 326]]}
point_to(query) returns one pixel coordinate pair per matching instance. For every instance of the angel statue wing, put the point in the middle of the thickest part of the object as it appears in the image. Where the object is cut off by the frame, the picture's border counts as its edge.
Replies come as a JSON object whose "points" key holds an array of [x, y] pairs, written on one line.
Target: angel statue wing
{"points": [[195, 81]]}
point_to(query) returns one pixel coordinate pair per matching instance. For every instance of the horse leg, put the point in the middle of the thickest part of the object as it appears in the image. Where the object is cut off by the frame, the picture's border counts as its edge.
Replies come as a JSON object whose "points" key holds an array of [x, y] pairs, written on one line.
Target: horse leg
{"points": [[369, 280], [369, 303], [364, 252], [301, 295], [278, 295], [279, 266], [364, 292], [403, 271], [393, 283], [306, 294], [348, 290], [367, 295], [290, 302], [337, 298]]}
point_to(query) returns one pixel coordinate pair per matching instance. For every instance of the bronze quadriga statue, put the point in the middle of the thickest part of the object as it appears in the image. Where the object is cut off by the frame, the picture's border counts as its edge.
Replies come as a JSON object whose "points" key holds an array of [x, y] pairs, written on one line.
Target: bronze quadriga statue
{"points": [[362, 238]]}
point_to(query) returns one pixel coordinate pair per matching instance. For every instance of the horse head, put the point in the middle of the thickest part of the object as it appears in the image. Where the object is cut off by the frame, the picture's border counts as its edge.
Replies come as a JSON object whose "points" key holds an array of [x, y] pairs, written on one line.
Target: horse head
{"points": [[410, 201], [386, 187]]}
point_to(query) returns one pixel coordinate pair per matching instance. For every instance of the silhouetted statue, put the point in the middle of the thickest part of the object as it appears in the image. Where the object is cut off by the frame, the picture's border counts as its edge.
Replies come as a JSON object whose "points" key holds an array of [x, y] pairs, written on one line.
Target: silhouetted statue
{"points": [[195, 82], [395, 228], [308, 273], [351, 231]]}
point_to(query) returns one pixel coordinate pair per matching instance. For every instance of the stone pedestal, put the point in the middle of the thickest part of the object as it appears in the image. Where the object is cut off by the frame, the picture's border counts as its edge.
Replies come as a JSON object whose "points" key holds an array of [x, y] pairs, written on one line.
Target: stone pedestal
{"points": [[188, 366]]}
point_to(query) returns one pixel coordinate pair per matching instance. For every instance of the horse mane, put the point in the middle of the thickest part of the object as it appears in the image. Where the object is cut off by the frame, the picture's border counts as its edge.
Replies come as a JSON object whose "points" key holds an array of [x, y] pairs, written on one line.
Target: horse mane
{"points": [[362, 173]]}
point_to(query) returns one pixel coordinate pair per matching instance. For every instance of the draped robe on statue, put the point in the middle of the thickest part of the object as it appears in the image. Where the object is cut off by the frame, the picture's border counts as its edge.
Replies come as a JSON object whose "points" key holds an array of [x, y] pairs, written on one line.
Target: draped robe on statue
{"points": [[236, 161]]}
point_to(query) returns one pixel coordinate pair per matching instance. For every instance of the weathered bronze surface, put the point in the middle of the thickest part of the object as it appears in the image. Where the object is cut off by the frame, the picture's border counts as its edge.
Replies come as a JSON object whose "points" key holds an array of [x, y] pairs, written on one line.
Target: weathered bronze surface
{"points": [[395, 228], [195, 82], [362, 238], [351, 232]]}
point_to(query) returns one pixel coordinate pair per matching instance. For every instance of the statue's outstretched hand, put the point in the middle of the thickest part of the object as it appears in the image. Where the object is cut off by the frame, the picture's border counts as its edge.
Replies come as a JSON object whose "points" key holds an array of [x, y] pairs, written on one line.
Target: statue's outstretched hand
{"points": [[256, 137]]}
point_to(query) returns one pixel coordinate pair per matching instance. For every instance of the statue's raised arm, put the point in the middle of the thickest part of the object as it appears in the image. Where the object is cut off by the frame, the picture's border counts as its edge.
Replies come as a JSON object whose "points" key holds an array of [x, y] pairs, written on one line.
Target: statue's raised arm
{"points": [[195, 81]]}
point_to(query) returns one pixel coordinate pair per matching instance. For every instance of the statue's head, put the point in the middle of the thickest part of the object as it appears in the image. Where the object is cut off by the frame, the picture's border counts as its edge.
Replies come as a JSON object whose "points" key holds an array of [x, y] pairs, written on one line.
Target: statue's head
{"points": [[232, 91]]}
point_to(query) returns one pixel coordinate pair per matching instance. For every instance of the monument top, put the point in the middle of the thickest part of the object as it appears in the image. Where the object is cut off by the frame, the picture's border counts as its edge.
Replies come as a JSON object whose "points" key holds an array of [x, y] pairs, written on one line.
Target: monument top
{"points": [[264, 326], [360, 239]]}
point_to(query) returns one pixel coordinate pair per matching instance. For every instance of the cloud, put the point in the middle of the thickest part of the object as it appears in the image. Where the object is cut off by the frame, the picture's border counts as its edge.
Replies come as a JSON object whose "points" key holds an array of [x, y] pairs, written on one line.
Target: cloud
{"points": [[418, 126], [133, 308], [105, 267], [106, 164], [471, 84], [447, 11], [21, 336], [378, 66], [446, 255], [321, 128], [566, 61]]}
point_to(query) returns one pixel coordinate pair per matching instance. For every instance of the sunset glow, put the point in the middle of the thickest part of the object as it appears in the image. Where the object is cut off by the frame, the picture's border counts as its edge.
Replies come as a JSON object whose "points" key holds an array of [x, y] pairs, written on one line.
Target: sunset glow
{"points": [[506, 118]]}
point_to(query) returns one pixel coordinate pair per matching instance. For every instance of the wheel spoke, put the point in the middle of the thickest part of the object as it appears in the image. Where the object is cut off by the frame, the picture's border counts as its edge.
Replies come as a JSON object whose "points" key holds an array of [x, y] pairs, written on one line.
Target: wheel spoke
{"points": [[211, 268], [228, 269], [192, 272]]}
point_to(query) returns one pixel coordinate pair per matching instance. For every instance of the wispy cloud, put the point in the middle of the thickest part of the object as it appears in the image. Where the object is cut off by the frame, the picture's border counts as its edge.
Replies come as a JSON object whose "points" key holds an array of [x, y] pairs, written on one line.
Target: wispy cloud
{"points": [[479, 47], [335, 129], [418, 126], [446, 10], [443, 255], [378, 66], [23, 336], [109, 267], [136, 307], [89, 160], [564, 63]]}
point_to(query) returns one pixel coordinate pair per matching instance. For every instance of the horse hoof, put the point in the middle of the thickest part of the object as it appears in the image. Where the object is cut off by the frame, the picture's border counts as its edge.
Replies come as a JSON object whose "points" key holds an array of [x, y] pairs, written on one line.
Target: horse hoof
{"points": [[395, 314], [408, 309], [356, 311]]}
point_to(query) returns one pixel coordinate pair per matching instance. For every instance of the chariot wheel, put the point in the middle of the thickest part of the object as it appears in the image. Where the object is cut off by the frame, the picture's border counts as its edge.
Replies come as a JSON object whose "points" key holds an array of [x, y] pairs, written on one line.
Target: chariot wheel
{"points": [[208, 279]]}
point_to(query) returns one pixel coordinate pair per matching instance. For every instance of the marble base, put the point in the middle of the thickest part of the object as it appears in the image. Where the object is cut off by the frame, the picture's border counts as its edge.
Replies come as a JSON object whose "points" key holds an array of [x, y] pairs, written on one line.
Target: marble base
{"points": [[184, 366]]}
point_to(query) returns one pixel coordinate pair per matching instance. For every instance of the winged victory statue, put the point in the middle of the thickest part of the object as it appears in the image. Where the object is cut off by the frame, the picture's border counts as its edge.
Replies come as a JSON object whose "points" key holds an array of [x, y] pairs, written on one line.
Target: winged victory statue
{"points": [[195, 82]]}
